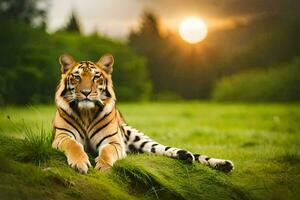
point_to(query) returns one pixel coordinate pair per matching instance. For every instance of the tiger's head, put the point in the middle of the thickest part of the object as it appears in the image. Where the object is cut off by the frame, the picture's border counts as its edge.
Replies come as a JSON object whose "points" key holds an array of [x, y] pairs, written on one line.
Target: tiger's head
{"points": [[85, 84]]}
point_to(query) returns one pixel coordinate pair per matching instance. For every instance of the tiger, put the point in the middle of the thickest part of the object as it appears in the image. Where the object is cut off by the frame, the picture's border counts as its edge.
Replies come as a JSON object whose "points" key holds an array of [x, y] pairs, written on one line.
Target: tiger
{"points": [[88, 120]]}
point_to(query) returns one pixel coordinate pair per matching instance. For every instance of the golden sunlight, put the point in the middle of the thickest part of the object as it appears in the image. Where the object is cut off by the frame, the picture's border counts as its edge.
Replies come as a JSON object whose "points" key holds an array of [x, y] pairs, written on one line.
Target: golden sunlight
{"points": [[193, 30]]}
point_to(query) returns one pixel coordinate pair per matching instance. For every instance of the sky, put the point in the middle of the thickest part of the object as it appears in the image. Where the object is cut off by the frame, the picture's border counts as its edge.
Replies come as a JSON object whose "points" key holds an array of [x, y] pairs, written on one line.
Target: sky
{"points": [[116, 18], [110, 17]]}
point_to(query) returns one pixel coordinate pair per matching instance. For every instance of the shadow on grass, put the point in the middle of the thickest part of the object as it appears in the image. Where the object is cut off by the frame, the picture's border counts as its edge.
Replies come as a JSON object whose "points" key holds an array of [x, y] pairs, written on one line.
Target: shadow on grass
{"points": [[288, 158]]}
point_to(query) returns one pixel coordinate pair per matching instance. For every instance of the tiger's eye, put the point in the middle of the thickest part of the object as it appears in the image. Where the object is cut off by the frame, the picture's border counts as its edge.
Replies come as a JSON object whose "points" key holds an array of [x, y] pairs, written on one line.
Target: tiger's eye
{"points": [[96, 77], [76, 77]]}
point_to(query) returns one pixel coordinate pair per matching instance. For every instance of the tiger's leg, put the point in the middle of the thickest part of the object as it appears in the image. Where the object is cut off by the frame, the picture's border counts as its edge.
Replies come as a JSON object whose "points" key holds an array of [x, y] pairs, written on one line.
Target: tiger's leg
{"points": [[108, 155], [74, 151]]}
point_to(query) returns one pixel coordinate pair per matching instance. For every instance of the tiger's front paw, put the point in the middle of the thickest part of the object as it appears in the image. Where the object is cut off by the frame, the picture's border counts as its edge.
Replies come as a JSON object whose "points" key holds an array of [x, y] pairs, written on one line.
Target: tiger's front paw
{"points": [[79, 160], [102, 165]]}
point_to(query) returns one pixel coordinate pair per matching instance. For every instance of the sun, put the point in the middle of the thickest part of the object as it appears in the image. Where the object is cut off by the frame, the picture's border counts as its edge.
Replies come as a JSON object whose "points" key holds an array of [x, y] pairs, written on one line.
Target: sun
{"points": [[193, 30]]}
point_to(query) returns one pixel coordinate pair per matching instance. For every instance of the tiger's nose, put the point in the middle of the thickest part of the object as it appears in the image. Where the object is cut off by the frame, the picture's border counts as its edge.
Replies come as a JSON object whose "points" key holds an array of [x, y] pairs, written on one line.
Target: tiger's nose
{"points": [[86, 92]]}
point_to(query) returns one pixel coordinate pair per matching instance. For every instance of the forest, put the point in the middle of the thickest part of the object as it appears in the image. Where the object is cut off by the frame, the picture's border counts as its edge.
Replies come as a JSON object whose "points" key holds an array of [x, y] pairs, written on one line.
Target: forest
{"points": [[260, 57]]}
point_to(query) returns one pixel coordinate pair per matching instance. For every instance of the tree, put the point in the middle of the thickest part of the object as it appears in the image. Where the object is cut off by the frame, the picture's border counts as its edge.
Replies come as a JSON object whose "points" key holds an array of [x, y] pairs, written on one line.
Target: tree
{"points": [[26, 11], [148, 42], [73, 25]]}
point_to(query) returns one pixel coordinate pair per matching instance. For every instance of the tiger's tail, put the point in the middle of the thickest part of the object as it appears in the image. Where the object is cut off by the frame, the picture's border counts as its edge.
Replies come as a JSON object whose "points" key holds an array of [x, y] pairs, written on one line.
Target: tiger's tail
{"points": [[137, 141]]}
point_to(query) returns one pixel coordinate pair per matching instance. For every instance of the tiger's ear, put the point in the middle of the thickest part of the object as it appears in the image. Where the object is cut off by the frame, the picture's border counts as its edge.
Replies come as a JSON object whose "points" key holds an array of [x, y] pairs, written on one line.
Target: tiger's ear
{"points": [[66, 62], [106, 63]]}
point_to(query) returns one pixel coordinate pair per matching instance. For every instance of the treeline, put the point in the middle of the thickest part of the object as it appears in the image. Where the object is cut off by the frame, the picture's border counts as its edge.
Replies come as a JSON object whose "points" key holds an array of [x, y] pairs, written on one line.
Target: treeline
{"points": [[29, 65]]}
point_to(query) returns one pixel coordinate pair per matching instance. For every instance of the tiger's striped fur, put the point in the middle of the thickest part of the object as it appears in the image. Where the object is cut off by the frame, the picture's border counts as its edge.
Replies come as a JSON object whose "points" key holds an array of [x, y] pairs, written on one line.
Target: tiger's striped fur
{"points": [[87, 119]]}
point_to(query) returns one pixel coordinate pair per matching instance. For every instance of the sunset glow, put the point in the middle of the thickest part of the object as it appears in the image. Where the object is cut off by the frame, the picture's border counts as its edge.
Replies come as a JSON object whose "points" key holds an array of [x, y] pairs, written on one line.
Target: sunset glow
{"points": [[193, 30]]}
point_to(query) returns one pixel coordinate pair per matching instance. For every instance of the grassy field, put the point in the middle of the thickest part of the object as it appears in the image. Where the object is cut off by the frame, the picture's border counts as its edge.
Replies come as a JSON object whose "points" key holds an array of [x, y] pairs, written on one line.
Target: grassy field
{"points": [[262, 140]]}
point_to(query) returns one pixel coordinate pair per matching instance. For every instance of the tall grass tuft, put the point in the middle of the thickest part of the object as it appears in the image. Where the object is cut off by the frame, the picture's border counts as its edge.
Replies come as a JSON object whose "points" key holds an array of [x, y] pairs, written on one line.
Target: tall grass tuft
{"points": [[36, 146]]}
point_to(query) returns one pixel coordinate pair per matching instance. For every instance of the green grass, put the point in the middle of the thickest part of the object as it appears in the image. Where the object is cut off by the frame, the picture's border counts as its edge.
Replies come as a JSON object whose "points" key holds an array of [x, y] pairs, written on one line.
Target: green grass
{"points": [[262, 140]]}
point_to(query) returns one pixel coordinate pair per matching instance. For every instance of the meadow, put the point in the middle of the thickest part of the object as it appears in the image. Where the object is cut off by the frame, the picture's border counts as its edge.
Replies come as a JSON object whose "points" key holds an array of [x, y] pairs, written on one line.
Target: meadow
{"points": [[262, 140]]}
